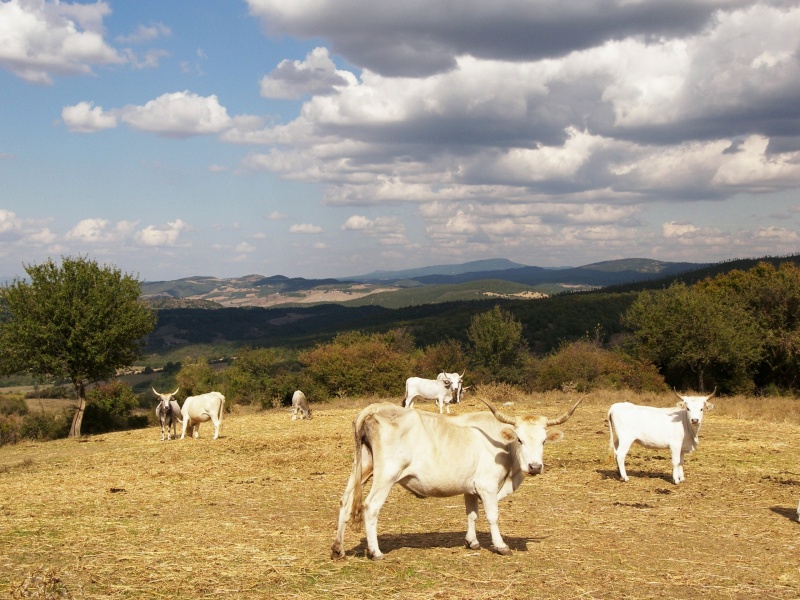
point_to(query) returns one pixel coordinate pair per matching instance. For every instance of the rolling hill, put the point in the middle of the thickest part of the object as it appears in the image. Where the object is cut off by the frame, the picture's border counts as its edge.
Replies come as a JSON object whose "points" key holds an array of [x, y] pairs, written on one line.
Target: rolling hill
{"points": [[477, 280]]}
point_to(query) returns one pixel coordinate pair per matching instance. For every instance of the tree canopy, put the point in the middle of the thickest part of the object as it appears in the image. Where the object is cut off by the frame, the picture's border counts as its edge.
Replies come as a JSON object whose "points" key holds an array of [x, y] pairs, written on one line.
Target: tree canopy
{"points": [[77, 320]]}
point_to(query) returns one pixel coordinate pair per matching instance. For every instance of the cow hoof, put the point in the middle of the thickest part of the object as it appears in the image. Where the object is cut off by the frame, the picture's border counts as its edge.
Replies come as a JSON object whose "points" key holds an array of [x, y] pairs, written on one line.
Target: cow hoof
{"points": [[337, 553], [374, 556], [504, 551], [473, 545]]}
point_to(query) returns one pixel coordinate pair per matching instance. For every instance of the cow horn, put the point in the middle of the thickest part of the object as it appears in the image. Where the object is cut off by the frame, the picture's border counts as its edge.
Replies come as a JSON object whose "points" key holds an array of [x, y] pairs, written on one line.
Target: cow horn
{"points": [[154, 391], [566, 415], [711, 395], [176, 391], [500, 416], [677, 394]]}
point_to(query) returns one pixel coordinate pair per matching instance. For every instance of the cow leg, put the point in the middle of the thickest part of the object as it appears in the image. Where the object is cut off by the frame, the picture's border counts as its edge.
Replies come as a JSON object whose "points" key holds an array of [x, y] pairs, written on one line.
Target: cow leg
{"points": [[216, 423], [346, 504], [620, 453], [294, 413], [448, 408], [376, 498], [492, 511], [471, 504], [677, 465], [440, 404], [186, 421]]}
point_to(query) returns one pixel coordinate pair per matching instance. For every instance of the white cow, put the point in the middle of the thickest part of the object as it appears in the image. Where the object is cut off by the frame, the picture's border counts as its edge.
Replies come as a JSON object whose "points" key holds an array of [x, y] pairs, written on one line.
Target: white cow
{"points": [[198, 409], [673, 428], [168, 413], [443, 391], [457, 383], [300, 404], [482, 455]]}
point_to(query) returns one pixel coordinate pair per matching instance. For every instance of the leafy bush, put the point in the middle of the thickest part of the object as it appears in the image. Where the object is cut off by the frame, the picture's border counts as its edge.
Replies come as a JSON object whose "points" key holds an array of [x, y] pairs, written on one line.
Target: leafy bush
{"points": [[13, 405], [360, 364], [42, 425], [448, 356], [108, 408], [196, 378], [583, 365], [9, 429], [255, 377]]}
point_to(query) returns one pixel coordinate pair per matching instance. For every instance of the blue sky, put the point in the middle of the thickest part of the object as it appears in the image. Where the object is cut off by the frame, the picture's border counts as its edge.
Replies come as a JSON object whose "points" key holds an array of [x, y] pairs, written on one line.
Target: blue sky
{"points": [[325, 138]]}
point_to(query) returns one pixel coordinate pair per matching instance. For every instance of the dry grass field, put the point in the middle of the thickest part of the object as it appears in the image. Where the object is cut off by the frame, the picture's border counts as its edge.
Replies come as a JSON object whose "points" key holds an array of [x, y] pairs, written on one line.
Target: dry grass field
{"points": [[253, 514]]}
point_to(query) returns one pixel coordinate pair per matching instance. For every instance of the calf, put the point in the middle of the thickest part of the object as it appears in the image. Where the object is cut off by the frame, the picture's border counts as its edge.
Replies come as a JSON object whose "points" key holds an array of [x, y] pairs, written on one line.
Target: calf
{"points": [[300, 404], [673, 428], [198, 409], [168, 413]]}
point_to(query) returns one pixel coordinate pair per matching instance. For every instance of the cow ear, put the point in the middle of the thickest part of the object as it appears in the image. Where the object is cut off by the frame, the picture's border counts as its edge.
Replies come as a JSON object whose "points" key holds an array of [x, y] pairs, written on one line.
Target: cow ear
{"points": [[508, 435], [709, 405], [554, 435], [681, 404]]}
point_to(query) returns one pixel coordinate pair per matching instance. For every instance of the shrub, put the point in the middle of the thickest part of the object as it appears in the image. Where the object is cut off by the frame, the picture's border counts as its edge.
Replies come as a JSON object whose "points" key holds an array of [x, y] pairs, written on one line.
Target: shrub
{"points": [[196, 378], [9, 429], [583, 365], [359, 364], [41, 425], [448, 356], [108, 407], [13, 405]]}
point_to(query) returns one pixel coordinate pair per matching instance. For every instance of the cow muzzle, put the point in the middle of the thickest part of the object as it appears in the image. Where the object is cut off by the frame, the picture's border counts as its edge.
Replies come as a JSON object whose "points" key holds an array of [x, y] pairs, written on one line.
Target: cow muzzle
{"points": [[535, 468]]}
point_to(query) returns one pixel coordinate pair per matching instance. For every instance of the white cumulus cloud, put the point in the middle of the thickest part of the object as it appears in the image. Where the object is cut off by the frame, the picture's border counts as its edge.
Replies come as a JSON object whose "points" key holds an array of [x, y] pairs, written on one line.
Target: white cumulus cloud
{"points": [[40, 39], [85, 117]]}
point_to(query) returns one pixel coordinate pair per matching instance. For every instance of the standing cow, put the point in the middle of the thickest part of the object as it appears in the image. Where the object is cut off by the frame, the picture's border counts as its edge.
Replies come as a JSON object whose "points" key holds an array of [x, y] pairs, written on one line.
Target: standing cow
{"points": [[482, 455], [198, 409], [168, 413], [673, 428], [300, 405], [442, 390], [457, 384]]}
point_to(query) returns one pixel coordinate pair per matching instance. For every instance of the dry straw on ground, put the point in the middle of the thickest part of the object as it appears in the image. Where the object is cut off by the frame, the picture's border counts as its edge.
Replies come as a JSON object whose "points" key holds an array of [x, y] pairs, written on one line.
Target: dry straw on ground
{"points": [[253, 514]]}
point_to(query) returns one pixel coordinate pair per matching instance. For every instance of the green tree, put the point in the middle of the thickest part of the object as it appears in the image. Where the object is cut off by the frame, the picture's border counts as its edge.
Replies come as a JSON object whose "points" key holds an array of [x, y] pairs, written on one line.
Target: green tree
{"points": [[699, 328], [499, 348], [77, 320], [772, 296]]}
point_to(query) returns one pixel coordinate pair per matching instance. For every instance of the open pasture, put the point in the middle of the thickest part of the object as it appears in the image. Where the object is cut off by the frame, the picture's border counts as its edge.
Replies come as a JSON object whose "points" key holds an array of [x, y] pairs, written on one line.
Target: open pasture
{"points": [[253, 514]]}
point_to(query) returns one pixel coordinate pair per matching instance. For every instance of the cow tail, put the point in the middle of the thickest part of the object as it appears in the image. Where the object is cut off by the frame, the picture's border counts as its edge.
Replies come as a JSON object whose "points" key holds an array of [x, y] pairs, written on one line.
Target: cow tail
{"points": [[357, 505], [612, 448]]}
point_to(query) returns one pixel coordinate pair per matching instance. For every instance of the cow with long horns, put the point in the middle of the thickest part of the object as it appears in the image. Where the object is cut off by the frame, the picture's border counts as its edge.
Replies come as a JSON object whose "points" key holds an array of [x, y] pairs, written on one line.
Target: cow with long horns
{"points": [[483, 455], [168, 413]]}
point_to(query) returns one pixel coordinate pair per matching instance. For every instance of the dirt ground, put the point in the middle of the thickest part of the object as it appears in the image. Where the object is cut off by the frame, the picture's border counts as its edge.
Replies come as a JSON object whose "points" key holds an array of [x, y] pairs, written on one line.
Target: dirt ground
{"points": [[253, 515]]}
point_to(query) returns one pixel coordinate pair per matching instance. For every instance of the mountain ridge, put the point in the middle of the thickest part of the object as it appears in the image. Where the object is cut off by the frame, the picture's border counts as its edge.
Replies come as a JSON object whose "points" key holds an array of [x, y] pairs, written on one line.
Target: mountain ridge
{"points": [[441, 283]]}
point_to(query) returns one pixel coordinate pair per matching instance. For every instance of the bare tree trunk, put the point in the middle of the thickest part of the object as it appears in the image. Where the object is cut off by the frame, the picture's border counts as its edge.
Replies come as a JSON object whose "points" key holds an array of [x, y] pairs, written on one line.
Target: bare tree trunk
{"points": [[77, 419]]}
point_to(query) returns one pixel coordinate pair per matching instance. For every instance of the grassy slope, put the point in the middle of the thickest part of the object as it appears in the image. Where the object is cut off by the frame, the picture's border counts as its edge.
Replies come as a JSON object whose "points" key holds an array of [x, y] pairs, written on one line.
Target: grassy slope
{"points": [[253, 514]]}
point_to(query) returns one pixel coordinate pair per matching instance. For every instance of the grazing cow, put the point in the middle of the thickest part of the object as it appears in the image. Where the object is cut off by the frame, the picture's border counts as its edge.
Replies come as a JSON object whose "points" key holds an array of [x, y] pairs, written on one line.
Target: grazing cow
{"points": [[673, 428], [457, 383], [300, 404], [482, 455], [205, 407], [168, 412], [442, 390]]}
